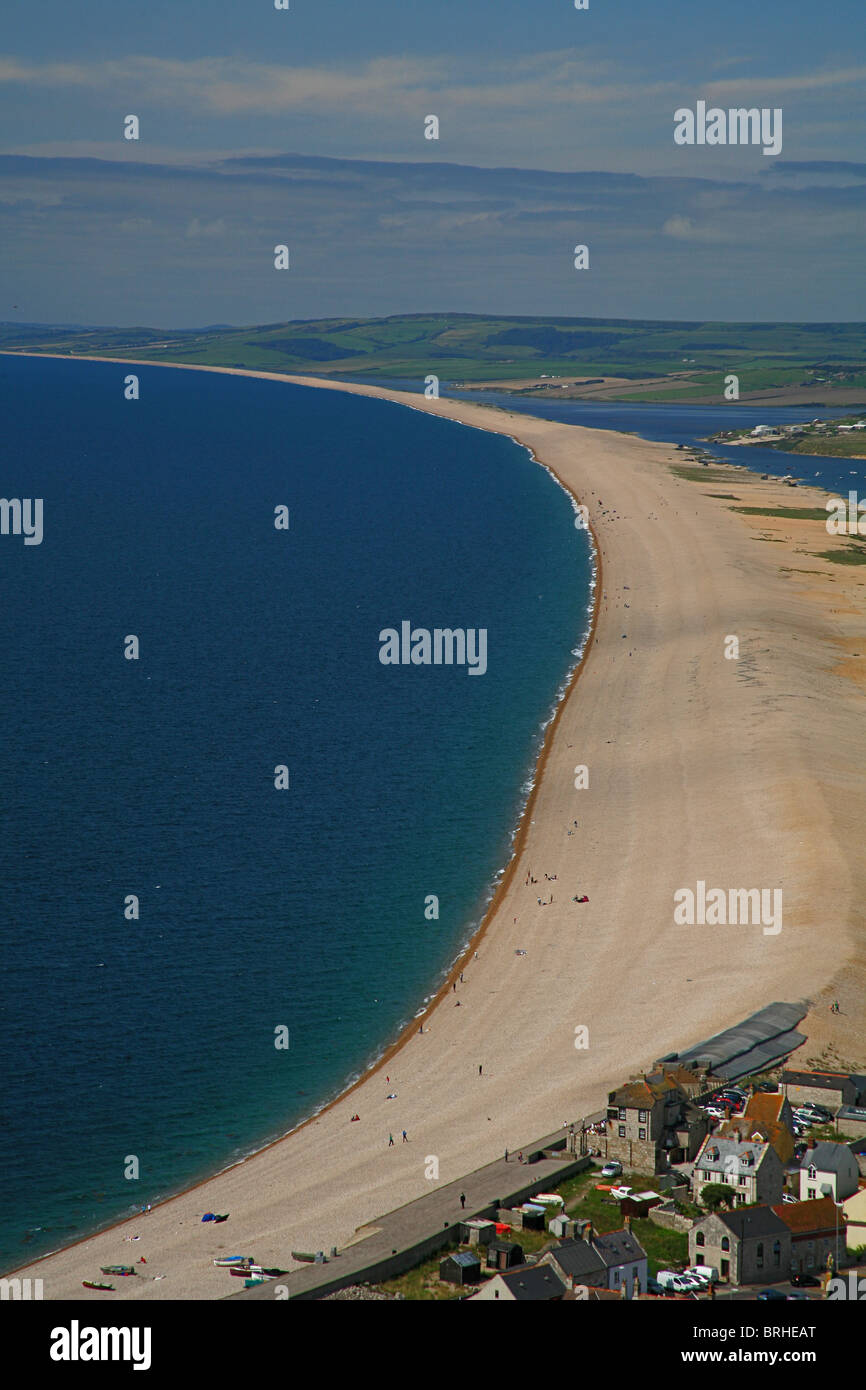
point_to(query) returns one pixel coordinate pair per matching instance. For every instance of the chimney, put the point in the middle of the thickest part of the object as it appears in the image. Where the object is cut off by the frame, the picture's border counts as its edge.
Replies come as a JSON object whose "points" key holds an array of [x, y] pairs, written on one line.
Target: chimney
{"points": [[627, 1223]]}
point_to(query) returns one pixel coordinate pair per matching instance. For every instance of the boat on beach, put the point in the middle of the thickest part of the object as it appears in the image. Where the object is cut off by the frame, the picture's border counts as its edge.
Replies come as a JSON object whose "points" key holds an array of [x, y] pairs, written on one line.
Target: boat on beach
{"points": [[123, 1270], [306, 1258], [226, 1260], [92, 1284]]}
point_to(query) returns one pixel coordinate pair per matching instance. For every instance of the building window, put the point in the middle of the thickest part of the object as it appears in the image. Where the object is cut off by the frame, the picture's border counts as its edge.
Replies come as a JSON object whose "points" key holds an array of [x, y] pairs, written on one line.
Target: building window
{"points": [[616, 1276], [726, 1243], [777, 1253], [700, 1239], [742, 1182], [813, 1173], [622, 1131], [810, 1193], [760, 1254], [622, 1112], [641, 1114], [641, 1134]]}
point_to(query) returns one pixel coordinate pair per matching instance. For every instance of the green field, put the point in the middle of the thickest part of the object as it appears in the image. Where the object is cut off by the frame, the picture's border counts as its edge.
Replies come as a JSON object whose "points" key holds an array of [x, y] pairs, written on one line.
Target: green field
{"points": [[467, 347]]}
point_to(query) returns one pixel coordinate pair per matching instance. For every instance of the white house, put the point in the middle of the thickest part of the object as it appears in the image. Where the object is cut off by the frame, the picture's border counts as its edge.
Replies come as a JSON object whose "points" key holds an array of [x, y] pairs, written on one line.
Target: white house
{"points": [[828, 1165]]}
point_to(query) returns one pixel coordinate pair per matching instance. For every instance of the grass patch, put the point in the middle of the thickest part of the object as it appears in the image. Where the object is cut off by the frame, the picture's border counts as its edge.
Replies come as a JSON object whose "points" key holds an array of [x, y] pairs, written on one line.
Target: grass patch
{"points": [[790, 513], [423, 1284], [842, 557], [700, 475]]}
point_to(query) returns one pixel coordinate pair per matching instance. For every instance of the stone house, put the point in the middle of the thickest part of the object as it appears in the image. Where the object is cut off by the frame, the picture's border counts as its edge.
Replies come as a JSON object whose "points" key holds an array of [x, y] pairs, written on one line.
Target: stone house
{"points": [[751, 1245], [816, 1230], [616, 1261], [652, 1124], [754, 1170], [828, 1088]]}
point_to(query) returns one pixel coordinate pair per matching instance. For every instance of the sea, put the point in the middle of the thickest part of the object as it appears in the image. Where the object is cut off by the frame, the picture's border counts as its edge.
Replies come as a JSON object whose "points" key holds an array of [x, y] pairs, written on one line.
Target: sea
{"points": [[238, 853]]}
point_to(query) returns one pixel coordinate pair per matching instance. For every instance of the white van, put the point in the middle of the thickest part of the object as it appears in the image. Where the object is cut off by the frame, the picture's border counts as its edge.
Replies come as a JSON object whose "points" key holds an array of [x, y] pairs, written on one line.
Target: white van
{"points": [[678, 1283], [708, 1273]]}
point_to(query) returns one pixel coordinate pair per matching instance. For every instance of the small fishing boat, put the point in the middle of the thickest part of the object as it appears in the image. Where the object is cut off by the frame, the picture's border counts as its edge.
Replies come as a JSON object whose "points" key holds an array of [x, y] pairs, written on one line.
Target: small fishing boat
{"points": [[274, 1273], [304, 1256], [241, 1270], [225, 1260], [123, 1270], [218, 1219], [251, 1283], [92, 1284]]}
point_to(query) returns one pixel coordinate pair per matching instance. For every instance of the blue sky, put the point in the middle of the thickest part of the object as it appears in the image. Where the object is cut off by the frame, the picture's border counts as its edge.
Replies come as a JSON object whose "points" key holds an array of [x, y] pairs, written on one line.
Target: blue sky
{"points": [[175, 229]]}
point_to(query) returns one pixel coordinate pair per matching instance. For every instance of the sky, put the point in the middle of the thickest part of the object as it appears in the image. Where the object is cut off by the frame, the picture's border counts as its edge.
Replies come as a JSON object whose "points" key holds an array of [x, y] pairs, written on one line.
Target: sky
{"points": [[306, 127]]}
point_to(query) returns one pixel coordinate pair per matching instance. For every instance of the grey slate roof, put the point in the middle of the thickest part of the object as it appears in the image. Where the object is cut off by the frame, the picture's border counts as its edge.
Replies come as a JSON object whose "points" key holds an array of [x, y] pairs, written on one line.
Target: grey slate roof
{"points": [[578, 1259], [827, 1157], [618, 1248], [534, 1283], [732, 1155], [817, 1081], [744, 1222]]}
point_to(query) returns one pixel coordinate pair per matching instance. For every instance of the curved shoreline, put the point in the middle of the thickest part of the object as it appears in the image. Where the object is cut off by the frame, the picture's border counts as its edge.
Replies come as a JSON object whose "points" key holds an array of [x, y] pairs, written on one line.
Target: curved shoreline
{"points": [[520, 833], [700, 768]]}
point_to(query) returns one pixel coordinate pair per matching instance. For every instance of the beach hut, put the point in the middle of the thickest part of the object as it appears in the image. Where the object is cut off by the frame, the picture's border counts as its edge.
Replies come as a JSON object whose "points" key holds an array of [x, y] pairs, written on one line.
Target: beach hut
{"points": [[532, 1217], [462, 1267], [477, 1232], [504, 1254], [562, 1226]]}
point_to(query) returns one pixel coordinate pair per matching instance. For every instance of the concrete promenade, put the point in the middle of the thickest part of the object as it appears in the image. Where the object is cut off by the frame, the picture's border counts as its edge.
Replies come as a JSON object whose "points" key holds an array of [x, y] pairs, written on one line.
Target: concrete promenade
{"points": [[404, 1238]]}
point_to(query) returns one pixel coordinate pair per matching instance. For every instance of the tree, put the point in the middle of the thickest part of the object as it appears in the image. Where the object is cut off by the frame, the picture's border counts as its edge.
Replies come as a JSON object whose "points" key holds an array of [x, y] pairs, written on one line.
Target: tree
{"points": [[717, 1194]]}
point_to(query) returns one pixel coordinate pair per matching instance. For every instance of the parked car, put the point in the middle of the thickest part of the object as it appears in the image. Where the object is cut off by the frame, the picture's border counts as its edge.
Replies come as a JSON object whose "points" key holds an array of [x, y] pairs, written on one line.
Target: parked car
{"points": [[772, 1295], [654, 1287], [612, 1169], [814, 1113], [789, 1199], [797, 1297], [805, 1281]]}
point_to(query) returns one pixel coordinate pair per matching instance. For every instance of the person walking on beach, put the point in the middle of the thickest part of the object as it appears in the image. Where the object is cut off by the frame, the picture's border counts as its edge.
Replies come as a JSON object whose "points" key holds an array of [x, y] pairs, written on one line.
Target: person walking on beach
{"points": [[506, 1155], [390, 1141], [405, 1137], [462, 1199], [480, 1068]]}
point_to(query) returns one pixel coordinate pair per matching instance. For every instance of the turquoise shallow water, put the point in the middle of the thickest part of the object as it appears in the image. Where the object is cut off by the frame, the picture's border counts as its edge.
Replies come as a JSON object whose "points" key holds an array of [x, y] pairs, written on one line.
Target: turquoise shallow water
{"points": [[259, 908]]}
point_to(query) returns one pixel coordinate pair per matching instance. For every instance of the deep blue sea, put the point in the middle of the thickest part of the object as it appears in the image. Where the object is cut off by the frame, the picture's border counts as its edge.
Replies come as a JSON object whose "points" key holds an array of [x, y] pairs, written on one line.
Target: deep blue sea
{"points": [[259, 908]]}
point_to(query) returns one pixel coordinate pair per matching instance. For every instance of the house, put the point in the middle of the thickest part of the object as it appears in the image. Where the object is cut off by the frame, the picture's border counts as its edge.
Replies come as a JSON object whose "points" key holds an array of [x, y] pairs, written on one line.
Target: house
{"points": [[828, 1165], [652, 1124], [616, 1260], [816, 1232], [751, 1245], [461, 1267], [854, 1211], [829, 1088], [767, 1118], [529, 1284], [753, 1169]]}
